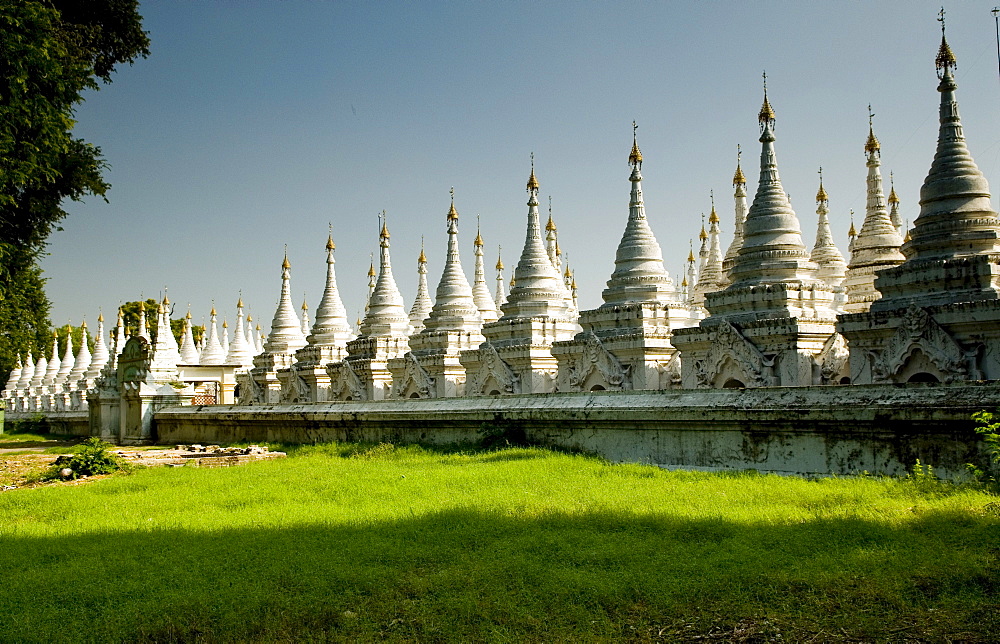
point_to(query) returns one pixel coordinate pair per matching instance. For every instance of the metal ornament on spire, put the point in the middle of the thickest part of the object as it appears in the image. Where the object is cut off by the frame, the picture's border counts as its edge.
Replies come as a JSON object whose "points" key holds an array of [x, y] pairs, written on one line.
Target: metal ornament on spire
{"points": [[872, 144], [821, 193], [766, 115], [945, 60], [635, 156]]}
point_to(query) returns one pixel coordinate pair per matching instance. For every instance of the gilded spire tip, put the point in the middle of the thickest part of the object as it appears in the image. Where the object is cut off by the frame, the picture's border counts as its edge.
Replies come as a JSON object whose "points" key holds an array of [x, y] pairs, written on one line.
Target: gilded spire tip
{"points": [[766, 115], [892, 190], [532, 181], [635, 156], [738, 178], [945, 59], [821, 193]]}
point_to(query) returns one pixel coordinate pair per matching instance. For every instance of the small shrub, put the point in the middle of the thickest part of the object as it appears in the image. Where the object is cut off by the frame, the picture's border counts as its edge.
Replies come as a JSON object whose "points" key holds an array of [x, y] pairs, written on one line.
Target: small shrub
{"points": [[36, 424], [91, 457]]}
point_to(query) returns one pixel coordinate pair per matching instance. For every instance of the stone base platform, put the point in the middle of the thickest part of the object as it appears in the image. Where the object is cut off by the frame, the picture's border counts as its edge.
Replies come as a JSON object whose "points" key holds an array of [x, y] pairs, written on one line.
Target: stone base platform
{"points": [[881, 429]]}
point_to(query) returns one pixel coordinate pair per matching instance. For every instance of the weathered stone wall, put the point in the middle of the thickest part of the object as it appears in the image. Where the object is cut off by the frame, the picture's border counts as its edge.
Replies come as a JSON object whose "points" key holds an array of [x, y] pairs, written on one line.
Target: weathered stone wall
{"points": [[807, 430]]}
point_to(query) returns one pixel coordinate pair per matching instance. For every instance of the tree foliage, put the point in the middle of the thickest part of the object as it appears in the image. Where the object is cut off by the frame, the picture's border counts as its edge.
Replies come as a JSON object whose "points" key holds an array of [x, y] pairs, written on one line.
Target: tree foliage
{"points": [[51, 51]]}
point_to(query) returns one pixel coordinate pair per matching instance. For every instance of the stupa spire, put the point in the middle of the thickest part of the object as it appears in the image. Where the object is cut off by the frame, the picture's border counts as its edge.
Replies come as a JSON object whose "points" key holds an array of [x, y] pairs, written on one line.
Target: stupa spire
{"points": [[82, 361], [740, 212], [241, 350], [422, 304], [143, 330], [305, 316], [538, 289], [386, 315], [826, 255], [212, 352], [956, 218], [27, 372], [772, 249], [639, 274], [165, 353], [501, 294], [876, 246], [709, 275], [454, 304], [189, 353], [101, 353], [480, 291], [331, 325], [118, 339], [15, 376], [52, 369], [897, 219], [286, 331], [68, 359]]}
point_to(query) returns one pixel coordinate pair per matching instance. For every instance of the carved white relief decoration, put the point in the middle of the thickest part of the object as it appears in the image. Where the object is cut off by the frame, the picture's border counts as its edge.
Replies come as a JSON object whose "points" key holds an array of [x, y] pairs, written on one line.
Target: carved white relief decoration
{"points": [[295, 389], [415, 378], [596, 357], [491, 364], [251, 393], [920, 332], [670, 372], [729, 344], [345, 383], [833, 359]]}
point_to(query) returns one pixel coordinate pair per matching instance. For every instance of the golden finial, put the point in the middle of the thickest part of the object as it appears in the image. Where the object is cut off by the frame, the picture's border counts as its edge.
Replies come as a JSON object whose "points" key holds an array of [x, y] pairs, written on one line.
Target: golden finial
{"points": [[249, 318], [821, 193], [513, 282], [713, 218], [945, 58], [225, 324], [452, 213], [329, 240], [572, 284], [371, 269], [690, 255], [142, 305], [635, 157], [258, 328], [305, 307], [188, 316], [385, 226], [100, 316], [499, 258], [871, 145], [239, 302], [558, 250], [684, 282], [84, 323], [738, 178], [532, 181], [285, 263], [892, 192], [907, 227], [479, 238], [702, 235], [852, 232], [566, 273], [766, 115], [423, 258], [551, 225]]}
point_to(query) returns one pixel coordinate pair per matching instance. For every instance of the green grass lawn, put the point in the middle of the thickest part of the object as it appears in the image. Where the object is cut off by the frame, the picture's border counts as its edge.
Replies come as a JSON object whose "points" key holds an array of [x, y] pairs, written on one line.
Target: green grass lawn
{"points": [[410, 544]]}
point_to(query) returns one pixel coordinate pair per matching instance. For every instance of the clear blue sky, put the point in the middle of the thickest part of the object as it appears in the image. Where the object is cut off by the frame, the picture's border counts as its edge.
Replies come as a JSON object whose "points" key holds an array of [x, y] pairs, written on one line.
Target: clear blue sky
{"points": [[253, 125]]}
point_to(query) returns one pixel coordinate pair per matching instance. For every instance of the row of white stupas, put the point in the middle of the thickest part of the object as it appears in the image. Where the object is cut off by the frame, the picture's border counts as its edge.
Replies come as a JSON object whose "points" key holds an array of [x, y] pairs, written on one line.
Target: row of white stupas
{"points": [[767, 312]]}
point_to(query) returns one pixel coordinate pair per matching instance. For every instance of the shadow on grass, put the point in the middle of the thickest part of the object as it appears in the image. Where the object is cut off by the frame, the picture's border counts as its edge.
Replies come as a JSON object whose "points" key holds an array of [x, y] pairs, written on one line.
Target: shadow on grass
{"points": [[36, 444], [468, 575]]}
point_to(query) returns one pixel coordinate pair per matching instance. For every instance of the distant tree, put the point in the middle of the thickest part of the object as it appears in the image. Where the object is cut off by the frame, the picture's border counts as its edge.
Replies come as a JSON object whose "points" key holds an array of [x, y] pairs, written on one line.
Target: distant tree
{"points": [[24, 313], [130, 317], [77, 331], [51, 51]]}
